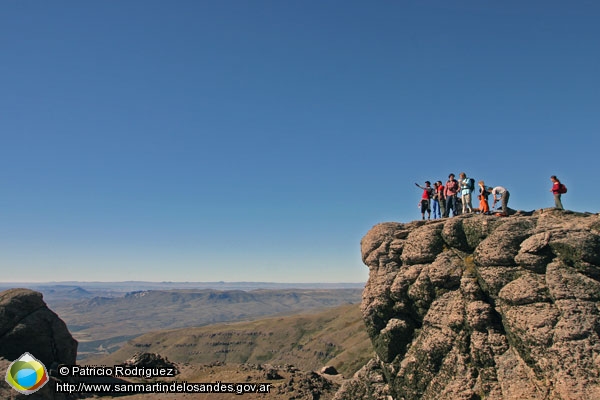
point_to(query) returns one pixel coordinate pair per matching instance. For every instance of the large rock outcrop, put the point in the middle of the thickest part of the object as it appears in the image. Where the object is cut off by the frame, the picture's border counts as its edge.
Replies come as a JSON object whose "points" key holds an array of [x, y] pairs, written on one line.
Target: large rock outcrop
{"points": [[484, 307], [28, 325]]}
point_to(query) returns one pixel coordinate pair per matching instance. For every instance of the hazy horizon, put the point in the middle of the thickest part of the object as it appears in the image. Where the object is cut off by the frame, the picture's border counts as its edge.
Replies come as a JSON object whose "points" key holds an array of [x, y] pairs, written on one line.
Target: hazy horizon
{"points": [[130, 286]]}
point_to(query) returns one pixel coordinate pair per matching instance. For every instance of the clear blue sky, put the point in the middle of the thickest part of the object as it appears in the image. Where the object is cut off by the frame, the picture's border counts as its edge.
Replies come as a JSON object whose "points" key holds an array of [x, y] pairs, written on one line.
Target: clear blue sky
{"points": [[260, 140]]}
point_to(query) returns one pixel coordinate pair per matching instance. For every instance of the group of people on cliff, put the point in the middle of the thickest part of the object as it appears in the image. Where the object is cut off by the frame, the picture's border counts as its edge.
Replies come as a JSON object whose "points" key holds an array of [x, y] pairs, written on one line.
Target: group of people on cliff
{"points": [[444, 199]]}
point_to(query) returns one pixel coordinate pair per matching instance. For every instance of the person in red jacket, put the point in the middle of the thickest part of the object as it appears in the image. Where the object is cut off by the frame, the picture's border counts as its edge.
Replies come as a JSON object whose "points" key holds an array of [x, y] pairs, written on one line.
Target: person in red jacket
{"points": [[557, 190], [438, 201], [425, 199]]}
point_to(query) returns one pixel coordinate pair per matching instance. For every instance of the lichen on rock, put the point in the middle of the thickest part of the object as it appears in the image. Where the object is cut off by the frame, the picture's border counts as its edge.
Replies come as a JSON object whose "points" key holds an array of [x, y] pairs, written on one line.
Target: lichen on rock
{"points": [[476, 307]]}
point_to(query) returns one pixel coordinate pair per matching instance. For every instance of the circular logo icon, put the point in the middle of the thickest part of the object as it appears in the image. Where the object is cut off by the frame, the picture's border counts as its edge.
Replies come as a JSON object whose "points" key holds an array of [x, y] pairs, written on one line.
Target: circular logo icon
{"points": [[27, 374]]}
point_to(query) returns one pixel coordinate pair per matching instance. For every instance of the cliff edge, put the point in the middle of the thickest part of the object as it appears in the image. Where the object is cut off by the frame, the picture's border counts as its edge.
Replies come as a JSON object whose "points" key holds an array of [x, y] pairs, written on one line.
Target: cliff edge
{"points": [[477, 306]]}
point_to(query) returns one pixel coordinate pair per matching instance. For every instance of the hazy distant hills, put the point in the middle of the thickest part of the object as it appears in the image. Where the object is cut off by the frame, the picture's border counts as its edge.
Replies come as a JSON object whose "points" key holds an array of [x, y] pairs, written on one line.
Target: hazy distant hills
{"points": [[281, 350], [66, 292], [104, 323], [336, 336]]}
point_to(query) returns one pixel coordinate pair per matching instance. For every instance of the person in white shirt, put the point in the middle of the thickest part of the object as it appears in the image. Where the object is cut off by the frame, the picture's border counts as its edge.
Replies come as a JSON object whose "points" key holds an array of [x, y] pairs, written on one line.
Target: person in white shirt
{"points": [[465, 191], [500, 193]]}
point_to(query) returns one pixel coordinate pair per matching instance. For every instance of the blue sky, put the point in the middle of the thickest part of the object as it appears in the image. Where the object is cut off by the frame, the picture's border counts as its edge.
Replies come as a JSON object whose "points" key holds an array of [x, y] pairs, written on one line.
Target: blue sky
{"points": [[260, 140]]}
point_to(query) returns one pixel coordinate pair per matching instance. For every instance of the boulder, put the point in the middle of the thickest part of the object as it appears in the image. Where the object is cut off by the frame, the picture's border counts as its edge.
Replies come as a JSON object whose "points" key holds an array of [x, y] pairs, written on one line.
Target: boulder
{"points": [[28, 325]]}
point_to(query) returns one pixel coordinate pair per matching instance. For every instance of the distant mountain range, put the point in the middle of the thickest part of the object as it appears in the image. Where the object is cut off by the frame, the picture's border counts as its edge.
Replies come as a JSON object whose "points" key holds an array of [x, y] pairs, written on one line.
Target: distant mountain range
{"points": [[283, 351], [57, 292], [103, 316], [129, 286]]}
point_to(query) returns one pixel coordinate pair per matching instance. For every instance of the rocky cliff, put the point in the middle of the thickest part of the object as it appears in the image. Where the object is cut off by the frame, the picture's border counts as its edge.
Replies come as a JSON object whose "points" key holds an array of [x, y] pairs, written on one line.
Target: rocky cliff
{"points": [[477, 306], [28, 325]]}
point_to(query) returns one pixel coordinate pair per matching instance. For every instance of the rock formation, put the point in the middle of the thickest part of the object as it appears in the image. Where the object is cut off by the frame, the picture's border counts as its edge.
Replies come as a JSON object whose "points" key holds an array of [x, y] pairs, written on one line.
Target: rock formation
{"points": [[151, 361], [28, 325], [483, 307]]}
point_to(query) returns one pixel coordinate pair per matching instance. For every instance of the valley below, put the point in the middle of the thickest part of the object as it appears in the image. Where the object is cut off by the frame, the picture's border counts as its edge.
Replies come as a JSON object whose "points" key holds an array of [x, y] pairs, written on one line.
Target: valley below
{"points": [[309, 340], [279, 337], [243, 323]]}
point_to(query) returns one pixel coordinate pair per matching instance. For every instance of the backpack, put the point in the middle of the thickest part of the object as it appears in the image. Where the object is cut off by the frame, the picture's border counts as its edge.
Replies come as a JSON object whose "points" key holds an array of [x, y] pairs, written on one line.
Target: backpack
{"points": [[486, 191], [562, 188], [471, 185]]}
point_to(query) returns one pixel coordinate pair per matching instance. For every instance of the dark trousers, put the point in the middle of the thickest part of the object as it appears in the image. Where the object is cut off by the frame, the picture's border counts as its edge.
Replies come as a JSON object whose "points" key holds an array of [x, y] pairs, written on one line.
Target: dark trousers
{"points": [[450, 205]]}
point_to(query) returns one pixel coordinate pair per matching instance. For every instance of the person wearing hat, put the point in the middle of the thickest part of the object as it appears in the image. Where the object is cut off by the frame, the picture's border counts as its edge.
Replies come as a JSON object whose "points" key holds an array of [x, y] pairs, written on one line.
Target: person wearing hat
{"points": [[425, 199]]}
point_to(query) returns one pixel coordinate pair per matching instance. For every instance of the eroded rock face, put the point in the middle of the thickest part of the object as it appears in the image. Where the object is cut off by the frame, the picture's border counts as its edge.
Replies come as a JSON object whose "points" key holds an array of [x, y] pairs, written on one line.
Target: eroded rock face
{"points": [[486, 307], [28, 325]]}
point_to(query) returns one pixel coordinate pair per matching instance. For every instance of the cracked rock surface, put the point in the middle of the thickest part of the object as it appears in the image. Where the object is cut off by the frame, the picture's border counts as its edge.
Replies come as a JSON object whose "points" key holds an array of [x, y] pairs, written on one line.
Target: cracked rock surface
{"points": [[477, 306]]}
